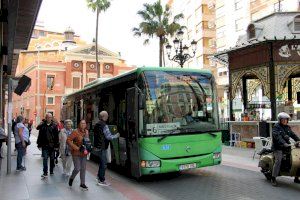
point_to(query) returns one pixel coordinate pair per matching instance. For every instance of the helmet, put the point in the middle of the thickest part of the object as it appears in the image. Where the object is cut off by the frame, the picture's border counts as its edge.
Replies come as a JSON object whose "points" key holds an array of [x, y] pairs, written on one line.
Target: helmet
{"points": [[283, 115]]}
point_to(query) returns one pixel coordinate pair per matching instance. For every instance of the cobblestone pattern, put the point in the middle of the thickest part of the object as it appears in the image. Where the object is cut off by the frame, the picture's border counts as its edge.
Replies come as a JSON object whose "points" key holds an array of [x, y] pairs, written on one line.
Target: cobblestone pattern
{"points": [[222, 182]]}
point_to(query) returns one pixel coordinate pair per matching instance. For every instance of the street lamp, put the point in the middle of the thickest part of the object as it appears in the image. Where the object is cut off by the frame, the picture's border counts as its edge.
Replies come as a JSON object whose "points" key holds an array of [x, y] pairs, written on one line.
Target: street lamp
{"points": [[181, 52], [38, 107]]}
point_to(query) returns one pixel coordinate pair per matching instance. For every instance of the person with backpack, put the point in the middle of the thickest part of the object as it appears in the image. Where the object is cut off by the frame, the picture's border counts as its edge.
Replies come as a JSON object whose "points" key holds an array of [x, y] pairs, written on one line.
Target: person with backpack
{"points": [[48, 142], [102, 136], [79, 151]]}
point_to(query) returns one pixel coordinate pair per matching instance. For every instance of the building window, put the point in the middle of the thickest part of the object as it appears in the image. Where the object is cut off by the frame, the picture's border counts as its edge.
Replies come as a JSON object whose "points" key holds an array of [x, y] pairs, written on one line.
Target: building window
{"points": [[297, 24], [91, 79], [211, 24], [199, 27], [223, 73], [50, 101], [212, 43], [76, 82], [239, 24], [220, 32], [42, 33], [50, 82], [212, 63], [237, 4], [34, 34]]}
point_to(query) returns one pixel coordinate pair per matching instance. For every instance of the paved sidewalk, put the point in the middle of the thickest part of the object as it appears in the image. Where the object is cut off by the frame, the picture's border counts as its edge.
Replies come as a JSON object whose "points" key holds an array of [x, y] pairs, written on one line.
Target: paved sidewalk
{"points": [[240, 158], [29, 185]]}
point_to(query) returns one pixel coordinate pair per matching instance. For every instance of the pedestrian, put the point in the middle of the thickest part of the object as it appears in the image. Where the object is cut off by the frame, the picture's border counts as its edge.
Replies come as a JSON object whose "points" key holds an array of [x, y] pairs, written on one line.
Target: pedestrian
{"points": [[102, 136], [3, 137], [61, 125], [281, 135], [79, 153], [48, 142], [64, 149], [21, 138], [13, 125], [56, 151], [28, 125]]}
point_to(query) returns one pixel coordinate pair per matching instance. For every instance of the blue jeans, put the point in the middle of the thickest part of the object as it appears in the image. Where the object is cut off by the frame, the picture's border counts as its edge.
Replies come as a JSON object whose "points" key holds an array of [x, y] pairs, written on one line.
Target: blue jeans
{"points": [[102, 165], [21, 152], [48, 153]]}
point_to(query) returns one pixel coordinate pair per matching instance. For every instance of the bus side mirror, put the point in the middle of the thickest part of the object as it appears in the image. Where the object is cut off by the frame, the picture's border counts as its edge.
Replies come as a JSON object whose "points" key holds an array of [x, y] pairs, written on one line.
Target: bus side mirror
{"points": [[142, 101]]}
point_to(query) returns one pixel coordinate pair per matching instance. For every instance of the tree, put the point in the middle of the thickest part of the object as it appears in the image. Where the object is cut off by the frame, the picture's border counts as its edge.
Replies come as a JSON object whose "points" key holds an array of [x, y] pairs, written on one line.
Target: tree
{"points": [[98, 6], [156, 23]]}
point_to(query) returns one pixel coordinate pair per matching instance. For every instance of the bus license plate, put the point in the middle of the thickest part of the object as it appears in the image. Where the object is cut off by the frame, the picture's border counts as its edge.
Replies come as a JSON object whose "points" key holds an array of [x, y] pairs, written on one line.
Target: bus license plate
{"points": [[187, 166]]}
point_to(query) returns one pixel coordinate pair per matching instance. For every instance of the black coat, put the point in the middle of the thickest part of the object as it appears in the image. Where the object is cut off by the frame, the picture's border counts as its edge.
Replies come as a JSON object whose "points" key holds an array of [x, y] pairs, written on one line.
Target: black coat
{"points": [[48, 135], [281, 135], [100, 141]]}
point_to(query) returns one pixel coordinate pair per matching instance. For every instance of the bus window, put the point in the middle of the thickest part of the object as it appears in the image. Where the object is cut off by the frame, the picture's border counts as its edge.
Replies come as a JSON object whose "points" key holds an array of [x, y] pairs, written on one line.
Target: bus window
{"points": [[179, 100]]}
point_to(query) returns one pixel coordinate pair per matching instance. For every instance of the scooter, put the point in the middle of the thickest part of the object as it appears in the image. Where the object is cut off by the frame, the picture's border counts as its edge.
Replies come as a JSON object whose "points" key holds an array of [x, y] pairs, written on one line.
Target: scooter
{"points": [[290, 165]]}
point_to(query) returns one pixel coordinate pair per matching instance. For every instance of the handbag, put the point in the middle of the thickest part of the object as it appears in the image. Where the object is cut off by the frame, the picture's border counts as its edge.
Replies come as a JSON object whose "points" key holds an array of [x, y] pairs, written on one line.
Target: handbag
{"points": [[108, 154], [28, 142]]}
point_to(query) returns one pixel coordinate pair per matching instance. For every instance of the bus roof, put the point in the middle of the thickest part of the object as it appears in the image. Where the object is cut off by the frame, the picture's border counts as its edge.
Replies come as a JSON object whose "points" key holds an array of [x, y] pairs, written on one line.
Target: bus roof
{"points": [[138, 71]]}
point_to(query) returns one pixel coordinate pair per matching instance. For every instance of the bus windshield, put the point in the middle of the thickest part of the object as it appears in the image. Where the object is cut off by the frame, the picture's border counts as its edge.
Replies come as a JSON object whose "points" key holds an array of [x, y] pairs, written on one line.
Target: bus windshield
{"points": [[179, 102]]}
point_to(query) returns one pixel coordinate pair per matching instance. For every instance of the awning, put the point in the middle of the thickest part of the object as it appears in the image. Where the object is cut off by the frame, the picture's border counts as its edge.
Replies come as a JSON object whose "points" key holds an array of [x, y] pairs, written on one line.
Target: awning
{"points": [[17, 32]]}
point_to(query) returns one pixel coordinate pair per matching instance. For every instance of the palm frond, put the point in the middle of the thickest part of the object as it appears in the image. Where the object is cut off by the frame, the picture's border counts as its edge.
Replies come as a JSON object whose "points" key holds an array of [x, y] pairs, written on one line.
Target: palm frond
{"points": [[144, 15], [136, 32], [158, 9], [178, 17], [101, 5], [146, 42]]}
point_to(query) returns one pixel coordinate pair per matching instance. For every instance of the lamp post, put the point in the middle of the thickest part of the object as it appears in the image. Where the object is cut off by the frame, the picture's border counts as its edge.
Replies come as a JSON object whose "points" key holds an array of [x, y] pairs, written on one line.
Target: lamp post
{"points": [[38, 107], [181, 51]]}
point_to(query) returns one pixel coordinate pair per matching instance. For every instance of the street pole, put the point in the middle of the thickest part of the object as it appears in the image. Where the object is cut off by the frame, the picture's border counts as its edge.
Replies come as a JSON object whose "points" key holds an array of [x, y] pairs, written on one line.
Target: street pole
{"points": [[1, 91], [38, 110], [9, 125]]}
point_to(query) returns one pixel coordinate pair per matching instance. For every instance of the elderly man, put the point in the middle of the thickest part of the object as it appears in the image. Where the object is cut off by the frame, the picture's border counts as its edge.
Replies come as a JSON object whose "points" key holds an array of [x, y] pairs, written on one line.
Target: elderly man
{"points": [[281, 142], [102, 136], [48, 141]]}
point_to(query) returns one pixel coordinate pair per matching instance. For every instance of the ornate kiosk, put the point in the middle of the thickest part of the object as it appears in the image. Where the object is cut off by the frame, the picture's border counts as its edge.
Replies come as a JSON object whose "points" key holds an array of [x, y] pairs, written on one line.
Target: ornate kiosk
{"points": [[264, 72]]}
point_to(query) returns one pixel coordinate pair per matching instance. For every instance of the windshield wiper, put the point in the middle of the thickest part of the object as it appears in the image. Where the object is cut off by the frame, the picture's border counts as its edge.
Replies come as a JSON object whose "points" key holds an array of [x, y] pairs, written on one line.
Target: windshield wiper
{"points": [[162, 138], [165, 136]]}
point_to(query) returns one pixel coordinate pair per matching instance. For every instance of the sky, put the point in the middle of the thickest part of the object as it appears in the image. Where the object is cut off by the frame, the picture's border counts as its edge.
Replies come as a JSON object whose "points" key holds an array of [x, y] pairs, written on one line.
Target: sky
{"points": [[115, 27]]}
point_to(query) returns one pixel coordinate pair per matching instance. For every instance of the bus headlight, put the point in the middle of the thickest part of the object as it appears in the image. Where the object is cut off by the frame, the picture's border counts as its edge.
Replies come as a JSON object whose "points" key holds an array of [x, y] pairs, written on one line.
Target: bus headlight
{"points": [[150, 163], [217, 155]]}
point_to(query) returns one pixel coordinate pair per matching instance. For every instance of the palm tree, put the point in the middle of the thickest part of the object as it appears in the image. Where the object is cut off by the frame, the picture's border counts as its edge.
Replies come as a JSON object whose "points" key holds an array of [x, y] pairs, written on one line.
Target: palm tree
{"points": [[156, 23], [98, 6]]}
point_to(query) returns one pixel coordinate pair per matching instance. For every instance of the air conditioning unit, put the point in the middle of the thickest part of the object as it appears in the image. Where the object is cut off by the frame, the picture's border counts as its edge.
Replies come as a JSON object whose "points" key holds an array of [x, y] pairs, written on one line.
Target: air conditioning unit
{"points": [[211, 5]]}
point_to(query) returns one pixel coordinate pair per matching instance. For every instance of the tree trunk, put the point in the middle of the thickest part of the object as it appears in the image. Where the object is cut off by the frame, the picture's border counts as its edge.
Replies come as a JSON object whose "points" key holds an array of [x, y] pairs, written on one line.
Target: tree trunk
{"points": [[163, 57], [96, 44], [160, 51]]}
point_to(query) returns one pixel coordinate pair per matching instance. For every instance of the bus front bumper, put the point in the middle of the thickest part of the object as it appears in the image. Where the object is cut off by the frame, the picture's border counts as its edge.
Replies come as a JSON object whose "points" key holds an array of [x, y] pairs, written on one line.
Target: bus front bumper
{"points": [[181, 164]]}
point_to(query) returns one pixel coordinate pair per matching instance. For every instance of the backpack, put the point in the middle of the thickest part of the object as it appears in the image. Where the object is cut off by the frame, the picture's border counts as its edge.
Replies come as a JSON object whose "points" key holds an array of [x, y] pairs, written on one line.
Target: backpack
{"points": [[86, 142]]}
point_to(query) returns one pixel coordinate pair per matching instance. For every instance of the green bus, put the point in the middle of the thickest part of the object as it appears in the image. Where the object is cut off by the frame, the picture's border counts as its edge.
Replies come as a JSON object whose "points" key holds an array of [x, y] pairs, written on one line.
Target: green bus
{"points": [[167, 118]]}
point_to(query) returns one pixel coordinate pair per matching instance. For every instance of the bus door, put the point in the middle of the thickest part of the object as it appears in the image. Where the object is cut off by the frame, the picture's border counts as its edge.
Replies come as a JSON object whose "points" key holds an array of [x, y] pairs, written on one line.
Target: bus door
{"points": [[132, 130], [78, 113]]}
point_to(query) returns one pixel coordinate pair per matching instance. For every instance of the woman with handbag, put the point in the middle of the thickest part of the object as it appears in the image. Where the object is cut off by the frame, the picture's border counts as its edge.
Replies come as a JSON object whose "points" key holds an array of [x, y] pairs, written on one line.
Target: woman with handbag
{"points": [[64, 149], [21, 141], [79, 153]]}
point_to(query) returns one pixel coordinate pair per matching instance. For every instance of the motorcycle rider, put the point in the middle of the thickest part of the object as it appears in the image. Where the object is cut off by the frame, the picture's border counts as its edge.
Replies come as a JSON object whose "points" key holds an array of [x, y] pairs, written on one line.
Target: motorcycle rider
{"points": [[281, 141]]}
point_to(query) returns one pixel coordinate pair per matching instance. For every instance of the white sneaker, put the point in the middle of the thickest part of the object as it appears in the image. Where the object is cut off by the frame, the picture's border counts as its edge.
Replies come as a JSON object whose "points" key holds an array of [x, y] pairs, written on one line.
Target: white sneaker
{"points": [[103, 183]]}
